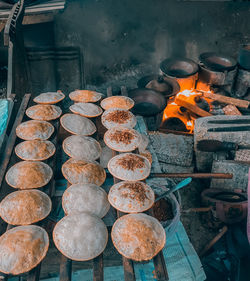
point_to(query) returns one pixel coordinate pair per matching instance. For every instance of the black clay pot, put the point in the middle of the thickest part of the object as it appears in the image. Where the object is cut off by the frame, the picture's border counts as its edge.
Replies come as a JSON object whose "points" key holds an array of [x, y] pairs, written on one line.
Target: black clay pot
{"points": [[244, 57]]}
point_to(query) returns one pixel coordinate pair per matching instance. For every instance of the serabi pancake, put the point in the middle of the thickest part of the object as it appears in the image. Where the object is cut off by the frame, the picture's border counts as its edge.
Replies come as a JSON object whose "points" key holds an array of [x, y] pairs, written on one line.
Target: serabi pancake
{"points": [[80, 237], [81, 171], [148, 155], [34, 130], [25, 207], [45, 112], [82, 147], [118, 117], [131, 196], [22, 248], [85, 96], [120, 102], [87, 109], [35, 150], [49, 98], [29, 174], [77, 125], [138, 236], [88, 198], [122, 139], [129, 167]]}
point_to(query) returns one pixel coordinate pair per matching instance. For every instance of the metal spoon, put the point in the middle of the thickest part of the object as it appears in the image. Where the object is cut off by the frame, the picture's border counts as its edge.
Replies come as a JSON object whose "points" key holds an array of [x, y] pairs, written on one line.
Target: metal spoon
{"points": [[175, 188]]}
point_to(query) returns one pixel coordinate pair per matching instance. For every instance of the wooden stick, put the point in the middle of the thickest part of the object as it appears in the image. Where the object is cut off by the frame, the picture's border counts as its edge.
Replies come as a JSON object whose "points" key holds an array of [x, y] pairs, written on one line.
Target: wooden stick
{"points": [[227, 100], [192, 175], [65, 268], [194, 108], [98, 268], [213, 241]]}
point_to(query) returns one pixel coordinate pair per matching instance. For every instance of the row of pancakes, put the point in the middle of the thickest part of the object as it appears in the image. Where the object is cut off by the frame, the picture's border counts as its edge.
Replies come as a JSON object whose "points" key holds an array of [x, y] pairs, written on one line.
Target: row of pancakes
{"points": [[81, 234], [24, 246]]}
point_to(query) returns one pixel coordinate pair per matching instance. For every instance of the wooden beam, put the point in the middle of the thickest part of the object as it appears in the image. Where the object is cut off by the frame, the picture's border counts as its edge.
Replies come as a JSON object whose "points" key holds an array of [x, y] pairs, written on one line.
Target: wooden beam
{"points": [[227, 100]]}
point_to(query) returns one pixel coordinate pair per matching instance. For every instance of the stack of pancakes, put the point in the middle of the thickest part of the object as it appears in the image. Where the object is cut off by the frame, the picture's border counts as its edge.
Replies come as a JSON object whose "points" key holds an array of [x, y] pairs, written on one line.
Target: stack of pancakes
{"points": [[27, 244]]}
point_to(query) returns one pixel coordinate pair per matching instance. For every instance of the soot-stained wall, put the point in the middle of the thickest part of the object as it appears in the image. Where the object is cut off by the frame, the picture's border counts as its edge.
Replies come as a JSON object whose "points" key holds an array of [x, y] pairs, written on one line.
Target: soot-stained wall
{"points": [[115, 34]]}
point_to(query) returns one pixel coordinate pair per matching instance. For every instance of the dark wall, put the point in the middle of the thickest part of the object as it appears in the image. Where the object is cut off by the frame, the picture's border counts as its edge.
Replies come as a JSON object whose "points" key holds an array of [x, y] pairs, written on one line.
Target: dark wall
{"points": [[115, 34]]}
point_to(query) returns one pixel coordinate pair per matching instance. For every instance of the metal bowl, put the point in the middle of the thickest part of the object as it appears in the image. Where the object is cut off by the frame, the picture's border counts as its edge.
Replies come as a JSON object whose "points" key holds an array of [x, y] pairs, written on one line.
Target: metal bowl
{"points": [[217, 62], [179, 67]]}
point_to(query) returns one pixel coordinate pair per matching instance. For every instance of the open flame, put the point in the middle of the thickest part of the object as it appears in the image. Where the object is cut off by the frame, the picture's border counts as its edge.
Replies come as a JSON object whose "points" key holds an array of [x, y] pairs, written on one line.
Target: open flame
{"points": [[179, 108]]}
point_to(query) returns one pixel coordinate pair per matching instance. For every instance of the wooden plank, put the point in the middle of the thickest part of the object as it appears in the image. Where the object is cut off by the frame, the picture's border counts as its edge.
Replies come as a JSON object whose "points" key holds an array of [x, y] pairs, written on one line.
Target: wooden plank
{"points": [[34, 19], [227, 100], [65, 269], [34, 274], [161, 272], [194, 108], [12, 138], [231, 110], [98, 273]]}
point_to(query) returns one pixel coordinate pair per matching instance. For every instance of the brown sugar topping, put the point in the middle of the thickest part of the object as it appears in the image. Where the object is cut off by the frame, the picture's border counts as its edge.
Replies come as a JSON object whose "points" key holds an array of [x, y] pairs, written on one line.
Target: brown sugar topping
{"points": [[136, 191], [35, 174], [122, 136], [44, 111], [140, 231], [163, 210], [118, 116], [131, 162]]}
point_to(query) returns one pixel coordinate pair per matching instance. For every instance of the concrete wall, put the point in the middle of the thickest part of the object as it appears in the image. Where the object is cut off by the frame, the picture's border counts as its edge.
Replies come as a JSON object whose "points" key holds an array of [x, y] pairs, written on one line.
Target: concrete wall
{"points": [[116, 34]]}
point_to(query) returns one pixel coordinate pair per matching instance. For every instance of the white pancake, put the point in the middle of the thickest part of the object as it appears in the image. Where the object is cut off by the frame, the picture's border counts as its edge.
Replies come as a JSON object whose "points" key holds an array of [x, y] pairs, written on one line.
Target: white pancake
{"points": [[118, 117], [121, 102], [25, 207], [82, 148], [131, 197], [138, 236], [22, 248], [77, 125], [29, 174], [81, 171], [35, 130], [122, 139], [85, 96], [88, 198], [89, 110], [44, 112], [129, 167], [35, 150], [80, 237], [49, 98]]}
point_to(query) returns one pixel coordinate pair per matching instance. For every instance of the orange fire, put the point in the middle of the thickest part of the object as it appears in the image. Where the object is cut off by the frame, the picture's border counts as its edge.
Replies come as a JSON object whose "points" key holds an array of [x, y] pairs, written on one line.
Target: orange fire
{"points": [[182, 107]]}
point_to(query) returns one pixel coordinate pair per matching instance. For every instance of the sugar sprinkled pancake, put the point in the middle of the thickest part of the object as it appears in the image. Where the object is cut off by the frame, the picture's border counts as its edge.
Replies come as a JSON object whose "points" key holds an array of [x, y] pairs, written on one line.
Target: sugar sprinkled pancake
{"points": [[22, 248], [35, 150], [129, 166], [120, 102], [78, 125], [25, 207], [131, 196], [80, 237], [139, 237], [122, 139], [85, 96], [44, 112], [35, 130], [49, 98], [82, 147], [29, 174], [81, 171], [118, 117], [89, 110], [88, 198]]}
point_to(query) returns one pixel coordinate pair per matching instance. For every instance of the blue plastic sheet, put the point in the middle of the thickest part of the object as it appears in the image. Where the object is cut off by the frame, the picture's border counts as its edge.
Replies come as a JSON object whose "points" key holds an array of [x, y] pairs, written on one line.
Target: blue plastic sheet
{"points": [[4, 110]]}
